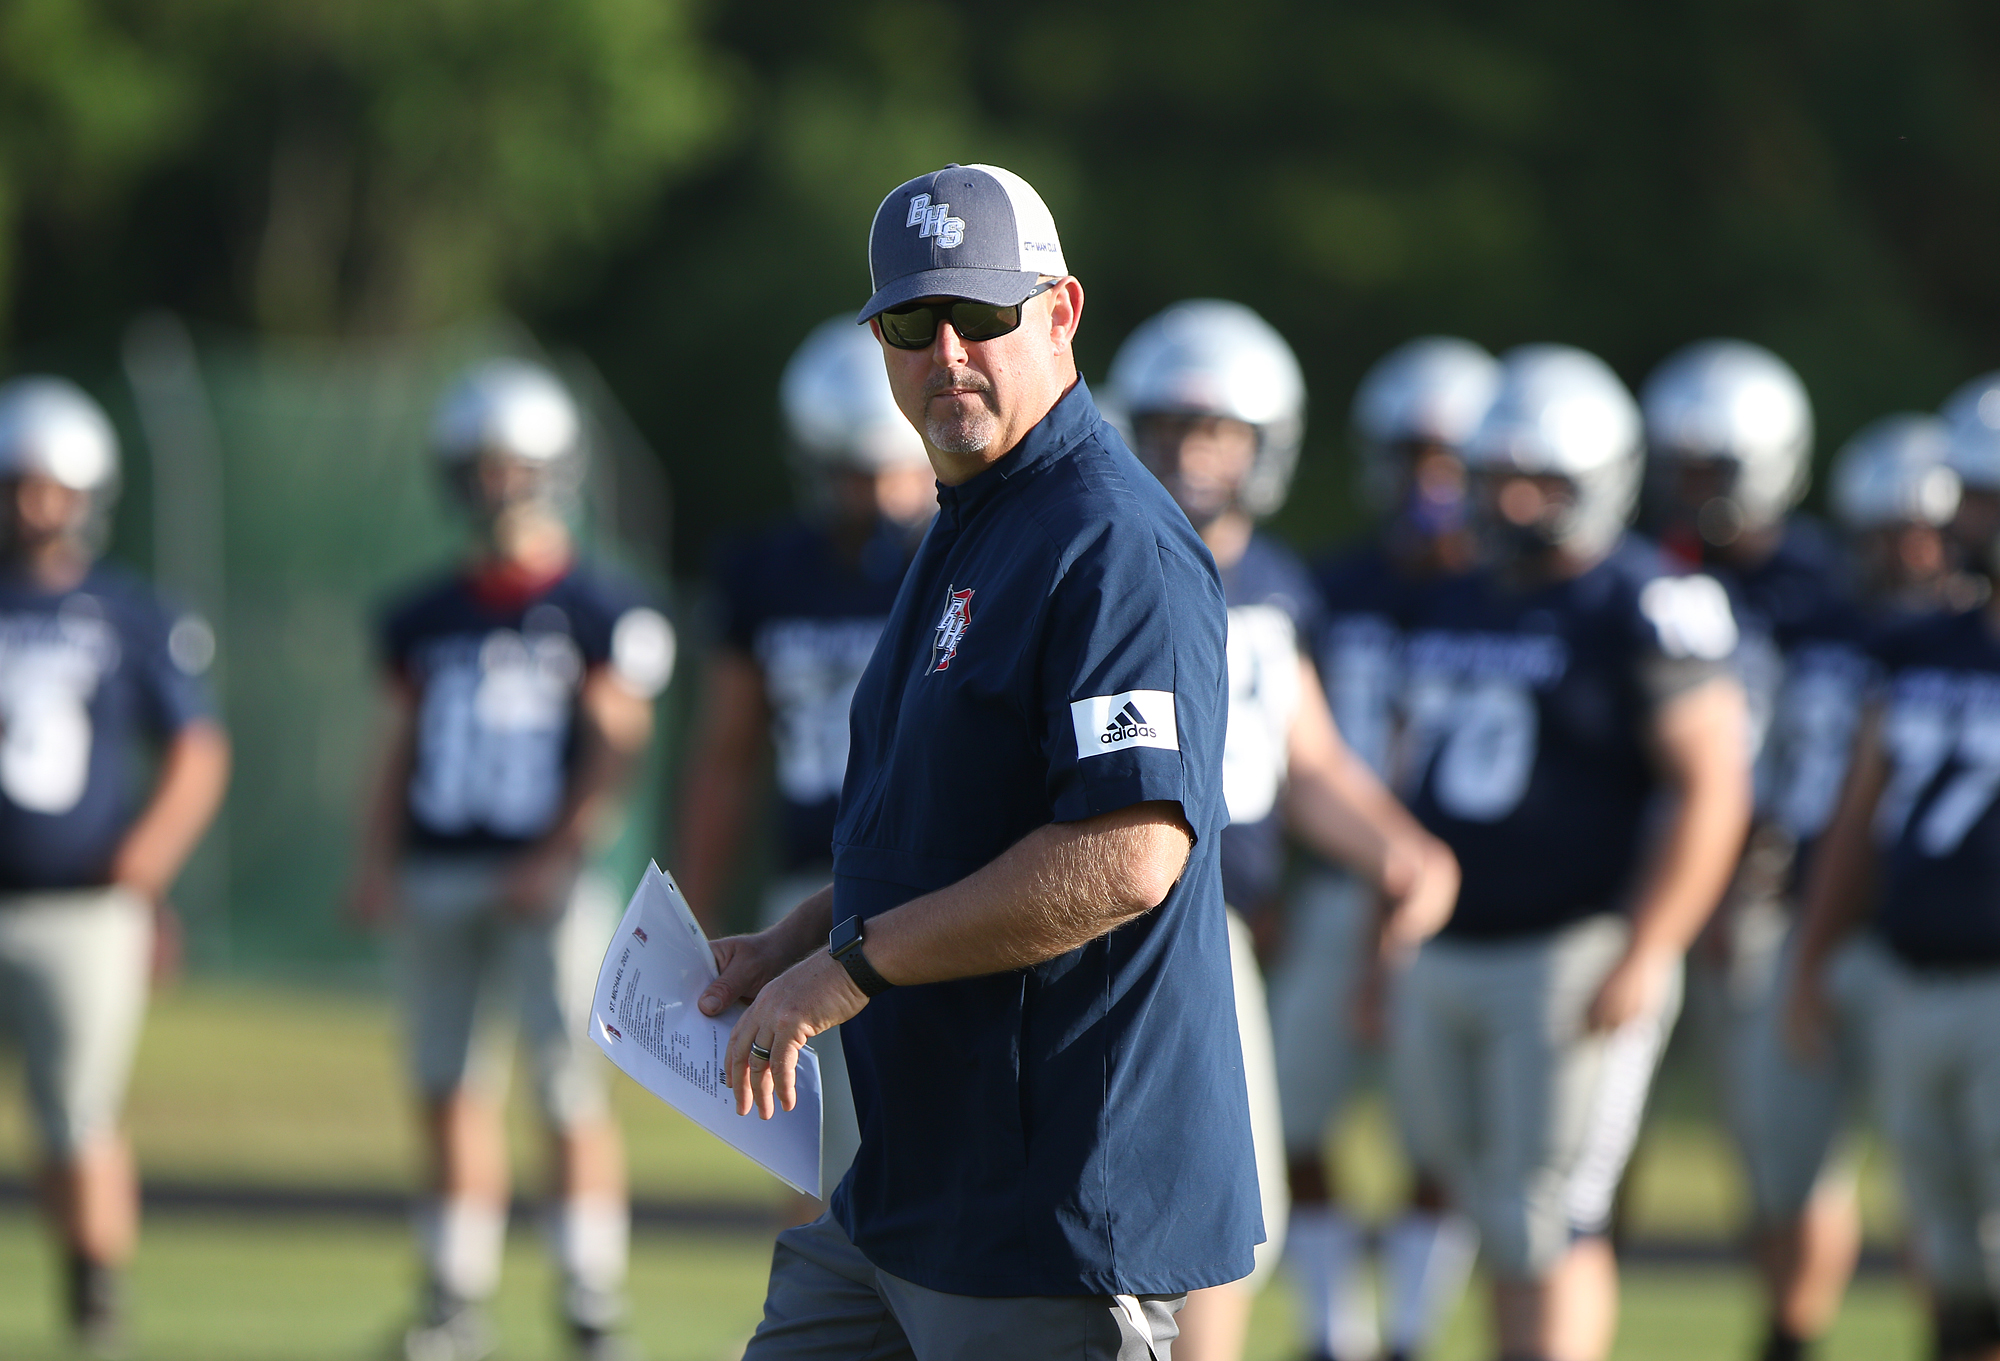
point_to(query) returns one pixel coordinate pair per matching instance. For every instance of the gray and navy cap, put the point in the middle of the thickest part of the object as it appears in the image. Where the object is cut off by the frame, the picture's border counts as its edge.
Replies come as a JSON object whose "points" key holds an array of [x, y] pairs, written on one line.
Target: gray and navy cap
{"points": [[966, 231]]}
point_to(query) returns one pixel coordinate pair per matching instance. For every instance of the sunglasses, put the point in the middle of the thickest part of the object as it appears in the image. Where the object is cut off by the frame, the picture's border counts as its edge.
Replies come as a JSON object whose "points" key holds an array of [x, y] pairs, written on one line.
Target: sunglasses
{"points": [[915, 327]]}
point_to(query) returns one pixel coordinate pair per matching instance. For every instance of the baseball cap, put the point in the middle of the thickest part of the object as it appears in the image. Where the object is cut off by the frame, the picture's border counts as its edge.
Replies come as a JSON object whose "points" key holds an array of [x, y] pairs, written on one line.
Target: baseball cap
{"points": [[966, 231]]}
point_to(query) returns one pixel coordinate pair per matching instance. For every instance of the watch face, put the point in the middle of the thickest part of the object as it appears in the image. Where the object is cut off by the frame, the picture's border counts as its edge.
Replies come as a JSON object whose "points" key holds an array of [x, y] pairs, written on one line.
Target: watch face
{"points": [[845, 936]]}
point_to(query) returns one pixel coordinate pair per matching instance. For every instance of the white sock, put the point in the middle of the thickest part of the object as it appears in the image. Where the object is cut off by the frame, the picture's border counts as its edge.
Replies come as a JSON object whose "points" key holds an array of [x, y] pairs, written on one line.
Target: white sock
{"points": [[1426, 1259], [460, 1242], [1324, 1247], [590, 1238]]}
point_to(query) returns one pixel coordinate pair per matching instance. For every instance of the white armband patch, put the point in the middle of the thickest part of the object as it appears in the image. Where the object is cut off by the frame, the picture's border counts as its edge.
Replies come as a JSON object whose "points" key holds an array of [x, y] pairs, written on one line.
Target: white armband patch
{"points": [[642, 651], [1691, 615], [1134, 718]]}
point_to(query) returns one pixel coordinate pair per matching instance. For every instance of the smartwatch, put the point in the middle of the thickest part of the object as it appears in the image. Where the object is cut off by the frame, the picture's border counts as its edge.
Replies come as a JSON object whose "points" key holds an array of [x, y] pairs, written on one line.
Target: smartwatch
{"points": [[844, 944]]}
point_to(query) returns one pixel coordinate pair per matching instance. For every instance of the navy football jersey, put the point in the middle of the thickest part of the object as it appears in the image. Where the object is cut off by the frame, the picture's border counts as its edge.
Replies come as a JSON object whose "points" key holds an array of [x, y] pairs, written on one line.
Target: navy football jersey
{"points": [[1272, 609], [1527, 749], [497, 673], [1365, 605], [1803, 658], [810, 621], [87, 676], [1940, 903]]}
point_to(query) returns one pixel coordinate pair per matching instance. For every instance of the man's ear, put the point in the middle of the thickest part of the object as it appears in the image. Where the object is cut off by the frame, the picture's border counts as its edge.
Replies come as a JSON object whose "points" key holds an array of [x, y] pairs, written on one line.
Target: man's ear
{"points": [[1065, 313]]}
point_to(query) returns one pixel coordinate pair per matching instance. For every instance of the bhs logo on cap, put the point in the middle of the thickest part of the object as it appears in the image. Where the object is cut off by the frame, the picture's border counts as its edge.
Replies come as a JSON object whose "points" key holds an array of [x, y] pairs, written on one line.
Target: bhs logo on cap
{"points": [[935, 221]]}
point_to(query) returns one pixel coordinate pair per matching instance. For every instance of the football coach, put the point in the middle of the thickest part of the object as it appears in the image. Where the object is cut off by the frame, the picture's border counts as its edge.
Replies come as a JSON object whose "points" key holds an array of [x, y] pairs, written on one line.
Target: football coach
{"points": [[1024, 940]]}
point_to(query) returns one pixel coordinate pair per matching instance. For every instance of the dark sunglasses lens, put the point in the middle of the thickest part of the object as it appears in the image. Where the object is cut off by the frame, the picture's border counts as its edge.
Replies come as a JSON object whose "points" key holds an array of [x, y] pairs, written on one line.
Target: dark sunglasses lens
{"points": [[983, 321], [911, 329]]}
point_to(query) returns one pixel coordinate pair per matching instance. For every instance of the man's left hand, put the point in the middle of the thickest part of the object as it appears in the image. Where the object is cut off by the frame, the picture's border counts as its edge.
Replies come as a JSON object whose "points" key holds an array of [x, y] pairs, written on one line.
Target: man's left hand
{"points": [[1636, 986], [811, 997]]}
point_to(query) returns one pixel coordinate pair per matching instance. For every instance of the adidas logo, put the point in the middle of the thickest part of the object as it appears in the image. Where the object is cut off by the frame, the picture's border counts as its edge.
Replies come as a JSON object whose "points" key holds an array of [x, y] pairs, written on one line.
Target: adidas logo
{"points": [[1125, 725]]}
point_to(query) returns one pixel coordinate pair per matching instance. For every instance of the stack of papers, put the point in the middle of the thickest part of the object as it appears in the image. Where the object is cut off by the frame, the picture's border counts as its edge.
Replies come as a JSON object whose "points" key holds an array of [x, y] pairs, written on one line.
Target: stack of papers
{"points": [[645, 1019]]}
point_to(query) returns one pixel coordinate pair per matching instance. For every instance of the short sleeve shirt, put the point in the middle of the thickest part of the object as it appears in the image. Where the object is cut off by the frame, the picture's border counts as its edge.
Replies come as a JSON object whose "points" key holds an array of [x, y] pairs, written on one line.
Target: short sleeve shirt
{"points": [[1940, 903], [1273, 612], [497, 673], [809, 619], [1056, 652], [87, 677], [1529, 718]]}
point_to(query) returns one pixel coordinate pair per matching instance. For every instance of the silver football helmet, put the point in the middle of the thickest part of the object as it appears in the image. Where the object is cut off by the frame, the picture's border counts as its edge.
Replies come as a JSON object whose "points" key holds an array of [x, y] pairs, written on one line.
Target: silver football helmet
{"points": [[1731, 402], [1893, 471], [1972, 415], [51, 427], [837, 405], [517, 412], [1211, 358], [1562, 412], [1432, 390]]}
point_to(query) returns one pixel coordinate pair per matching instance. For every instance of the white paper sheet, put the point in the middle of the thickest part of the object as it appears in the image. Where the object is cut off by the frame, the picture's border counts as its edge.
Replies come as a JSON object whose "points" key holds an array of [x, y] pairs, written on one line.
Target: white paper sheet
{"points": [[645, 1019]]}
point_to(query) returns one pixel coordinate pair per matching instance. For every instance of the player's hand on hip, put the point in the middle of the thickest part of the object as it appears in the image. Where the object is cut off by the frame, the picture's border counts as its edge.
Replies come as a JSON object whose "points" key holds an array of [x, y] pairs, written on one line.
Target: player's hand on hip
{"points": [[1427, 900], [762, 1061], [1636, 986]]}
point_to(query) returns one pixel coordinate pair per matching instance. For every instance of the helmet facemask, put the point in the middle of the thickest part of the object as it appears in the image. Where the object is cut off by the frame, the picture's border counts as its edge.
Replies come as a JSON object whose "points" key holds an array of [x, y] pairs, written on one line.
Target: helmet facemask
{"points": [[1206, 462]]}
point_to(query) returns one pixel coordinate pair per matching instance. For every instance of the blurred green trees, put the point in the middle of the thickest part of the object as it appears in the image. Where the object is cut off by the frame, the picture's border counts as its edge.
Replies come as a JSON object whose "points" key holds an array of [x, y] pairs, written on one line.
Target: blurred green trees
{"points": [[683, 191]]}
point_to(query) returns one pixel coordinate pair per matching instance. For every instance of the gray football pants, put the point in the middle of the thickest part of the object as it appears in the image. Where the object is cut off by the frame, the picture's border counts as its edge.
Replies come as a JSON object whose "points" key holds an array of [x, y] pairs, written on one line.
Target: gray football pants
{"points": [[1529, 1115], [827, 1302]]}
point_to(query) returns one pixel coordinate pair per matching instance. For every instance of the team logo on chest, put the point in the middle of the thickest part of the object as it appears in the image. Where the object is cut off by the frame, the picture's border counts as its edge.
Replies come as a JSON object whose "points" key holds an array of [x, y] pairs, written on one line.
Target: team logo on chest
{"points": [[950, 629]]}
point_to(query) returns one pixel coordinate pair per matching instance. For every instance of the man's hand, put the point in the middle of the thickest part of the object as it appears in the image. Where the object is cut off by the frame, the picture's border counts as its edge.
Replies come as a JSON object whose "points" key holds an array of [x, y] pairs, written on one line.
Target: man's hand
{"points": [[1636, 986], [1421, 892], [807, 999]]}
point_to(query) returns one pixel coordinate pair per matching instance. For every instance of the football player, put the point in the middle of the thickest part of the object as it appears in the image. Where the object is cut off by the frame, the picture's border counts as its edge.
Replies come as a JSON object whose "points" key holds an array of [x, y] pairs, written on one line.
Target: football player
{"points": [[1577, 737], [521, 687], [1972, 414], [802, 605], [92, 666], [1412, 414], [1915, 844], [1216, 404], [1729, 442]]}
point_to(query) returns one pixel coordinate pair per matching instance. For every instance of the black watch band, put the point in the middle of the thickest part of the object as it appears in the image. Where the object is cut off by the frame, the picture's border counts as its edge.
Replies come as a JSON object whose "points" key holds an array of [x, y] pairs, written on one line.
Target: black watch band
{"points": [[844, 944]]}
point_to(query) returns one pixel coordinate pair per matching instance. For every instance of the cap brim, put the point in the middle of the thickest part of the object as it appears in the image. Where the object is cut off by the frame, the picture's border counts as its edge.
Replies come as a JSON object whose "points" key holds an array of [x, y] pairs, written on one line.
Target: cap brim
{"points": [[1000, 287]]}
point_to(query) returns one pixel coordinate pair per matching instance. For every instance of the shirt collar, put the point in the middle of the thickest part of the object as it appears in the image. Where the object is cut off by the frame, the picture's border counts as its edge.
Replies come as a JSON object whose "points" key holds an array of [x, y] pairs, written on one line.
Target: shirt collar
{"points": [[1069, 422]]}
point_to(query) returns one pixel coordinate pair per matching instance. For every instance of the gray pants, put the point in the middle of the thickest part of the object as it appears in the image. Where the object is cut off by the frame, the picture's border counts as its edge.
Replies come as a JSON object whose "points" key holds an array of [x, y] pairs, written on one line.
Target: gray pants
{"points": [[1528, 1113], [827, 1302], [1940, 1084]]}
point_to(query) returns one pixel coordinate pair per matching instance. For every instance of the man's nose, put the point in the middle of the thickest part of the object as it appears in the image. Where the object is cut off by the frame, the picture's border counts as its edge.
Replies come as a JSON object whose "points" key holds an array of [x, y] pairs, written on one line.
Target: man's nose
{"points": [[948, 350]]}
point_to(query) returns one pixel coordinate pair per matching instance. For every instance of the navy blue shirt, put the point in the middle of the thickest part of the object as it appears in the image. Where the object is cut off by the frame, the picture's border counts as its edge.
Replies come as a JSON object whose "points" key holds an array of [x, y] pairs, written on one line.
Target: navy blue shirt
{"points": [[1804, 663], [1529, 725], [1940, 903], [1366, 605], [497, 671], [809, 619], [1057, 652], [1273, 612], [87, 676]]}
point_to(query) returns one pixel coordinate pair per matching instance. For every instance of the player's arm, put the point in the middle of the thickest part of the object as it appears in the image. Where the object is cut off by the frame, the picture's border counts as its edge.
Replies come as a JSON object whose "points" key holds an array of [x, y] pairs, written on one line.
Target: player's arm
{"points": [[194, 774], [721, 777], [382, 812], [614, 724], [1839, 887], [1701, 743], [1337, 806], [1059, 887]]}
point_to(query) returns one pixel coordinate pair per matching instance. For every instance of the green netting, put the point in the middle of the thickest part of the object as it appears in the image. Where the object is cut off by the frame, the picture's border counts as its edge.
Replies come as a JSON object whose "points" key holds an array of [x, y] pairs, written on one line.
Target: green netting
{"points": [[284, 488]]}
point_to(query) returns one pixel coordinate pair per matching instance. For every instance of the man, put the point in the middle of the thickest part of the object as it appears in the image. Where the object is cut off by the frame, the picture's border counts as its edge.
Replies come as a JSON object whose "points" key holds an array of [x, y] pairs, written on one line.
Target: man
{"points": [[92, 665], [1027, 945], [1915, 838], [1216, 403], [1894, 492], [1412, 414], [802, 607], [1577, 738], [521, 690], [1729, 441]]}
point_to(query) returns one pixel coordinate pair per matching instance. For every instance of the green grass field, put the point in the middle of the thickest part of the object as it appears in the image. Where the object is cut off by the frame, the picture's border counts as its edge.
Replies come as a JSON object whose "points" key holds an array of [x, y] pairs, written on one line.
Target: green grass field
{"points": [[258, 1086]]}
